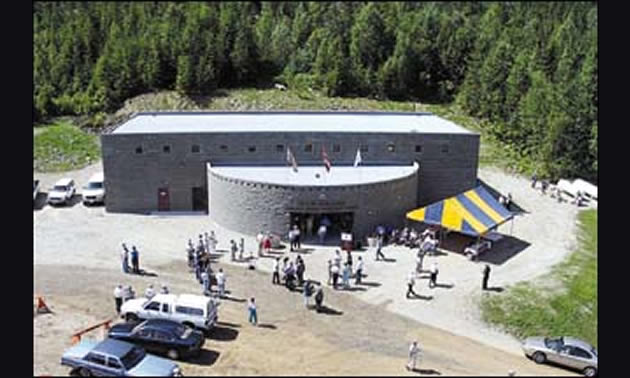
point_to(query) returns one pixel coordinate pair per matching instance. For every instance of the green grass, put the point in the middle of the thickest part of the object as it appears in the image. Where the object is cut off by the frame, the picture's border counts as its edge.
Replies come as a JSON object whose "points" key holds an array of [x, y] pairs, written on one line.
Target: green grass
{"points": [[529, 309], [63, 147]]}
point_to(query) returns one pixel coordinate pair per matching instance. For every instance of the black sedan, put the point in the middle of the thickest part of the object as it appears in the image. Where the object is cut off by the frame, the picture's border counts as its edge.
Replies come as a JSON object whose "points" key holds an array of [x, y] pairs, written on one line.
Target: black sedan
{"points": [[161, 336]]}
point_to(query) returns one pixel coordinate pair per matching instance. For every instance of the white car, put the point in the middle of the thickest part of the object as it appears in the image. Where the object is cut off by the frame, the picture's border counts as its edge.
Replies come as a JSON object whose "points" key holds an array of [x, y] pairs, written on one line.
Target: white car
{"points": [[62, 192], [94, 191], [195, 311]]}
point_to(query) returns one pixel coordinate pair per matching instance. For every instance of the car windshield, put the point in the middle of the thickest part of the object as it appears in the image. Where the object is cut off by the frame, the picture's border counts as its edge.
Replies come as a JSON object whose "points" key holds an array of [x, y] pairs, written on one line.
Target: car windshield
{"points": [[59, 188], [94, 185], [553, 343], [132, 358]]}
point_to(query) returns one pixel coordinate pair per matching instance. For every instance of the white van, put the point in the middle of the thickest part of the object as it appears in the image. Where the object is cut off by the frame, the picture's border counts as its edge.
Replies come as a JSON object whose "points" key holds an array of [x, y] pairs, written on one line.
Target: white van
{"points": [[94, 191], [192, 310]]}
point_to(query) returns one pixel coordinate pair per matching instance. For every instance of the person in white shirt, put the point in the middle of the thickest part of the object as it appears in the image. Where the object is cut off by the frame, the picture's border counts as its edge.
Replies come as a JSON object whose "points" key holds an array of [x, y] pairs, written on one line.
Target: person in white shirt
{"points": [[359, 271], [259, 239], [206, 242], [335, 275], [275, 279], [414, 353], [337, 259], [221, 282], [205, 280], [322, 233], [128, 293], [253, 316], [118, 297], [296, 235], [149, 292]]}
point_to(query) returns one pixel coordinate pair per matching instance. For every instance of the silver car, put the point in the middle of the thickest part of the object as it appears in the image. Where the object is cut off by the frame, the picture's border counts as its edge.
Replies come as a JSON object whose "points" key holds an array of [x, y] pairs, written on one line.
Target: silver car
{"points": [[566, 351]]}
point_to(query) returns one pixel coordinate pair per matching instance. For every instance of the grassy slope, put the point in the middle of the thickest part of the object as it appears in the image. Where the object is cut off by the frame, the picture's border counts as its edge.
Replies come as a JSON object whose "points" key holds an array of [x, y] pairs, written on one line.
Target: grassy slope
{"points": [[527, 309], [62, 147]]}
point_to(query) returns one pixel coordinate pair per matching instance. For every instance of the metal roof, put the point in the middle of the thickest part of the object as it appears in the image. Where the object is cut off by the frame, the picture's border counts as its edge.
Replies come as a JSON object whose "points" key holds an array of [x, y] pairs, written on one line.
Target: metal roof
{"points": [[222, 122], [308, 175]]}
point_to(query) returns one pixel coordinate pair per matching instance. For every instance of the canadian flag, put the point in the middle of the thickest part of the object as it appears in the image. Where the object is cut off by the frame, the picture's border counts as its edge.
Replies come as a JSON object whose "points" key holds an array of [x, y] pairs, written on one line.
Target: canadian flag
{"points": [[291, 160], [358, 160], [326, 160]]}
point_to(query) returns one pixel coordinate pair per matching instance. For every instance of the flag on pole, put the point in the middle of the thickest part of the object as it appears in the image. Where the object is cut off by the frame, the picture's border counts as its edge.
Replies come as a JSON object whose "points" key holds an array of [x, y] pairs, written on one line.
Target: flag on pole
{"points": [[327, 163], [291, 160], [358, 160]]}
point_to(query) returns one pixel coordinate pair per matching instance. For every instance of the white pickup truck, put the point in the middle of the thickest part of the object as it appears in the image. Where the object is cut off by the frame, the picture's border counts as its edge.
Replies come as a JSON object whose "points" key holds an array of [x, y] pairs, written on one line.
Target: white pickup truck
{"points": [[195, 311]]}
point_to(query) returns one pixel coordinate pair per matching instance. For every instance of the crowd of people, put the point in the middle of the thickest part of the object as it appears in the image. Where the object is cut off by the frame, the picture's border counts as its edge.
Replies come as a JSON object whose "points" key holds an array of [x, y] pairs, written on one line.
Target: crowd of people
{"points": [[124, 293]]}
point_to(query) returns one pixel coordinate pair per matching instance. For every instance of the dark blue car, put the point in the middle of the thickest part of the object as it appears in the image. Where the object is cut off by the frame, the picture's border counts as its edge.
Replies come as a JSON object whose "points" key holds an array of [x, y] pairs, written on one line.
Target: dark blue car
{"points": [[161, 336], [112, 357]]}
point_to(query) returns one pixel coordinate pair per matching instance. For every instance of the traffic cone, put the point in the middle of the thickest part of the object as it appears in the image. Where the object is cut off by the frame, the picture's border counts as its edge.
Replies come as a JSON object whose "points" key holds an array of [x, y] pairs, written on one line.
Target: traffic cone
{"points": [[41, 307]]}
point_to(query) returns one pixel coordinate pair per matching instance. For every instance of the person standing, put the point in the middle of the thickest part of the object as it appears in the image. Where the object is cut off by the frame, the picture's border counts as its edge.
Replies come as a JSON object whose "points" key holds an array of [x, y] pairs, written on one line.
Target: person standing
{"points": [[359, 271], [241, 249], [300, 270], [206, 242], [198, 268], [125, 258], [308, 291], [275, 279], [335, 275], [346, 275], [434, 274], [149, 292], [118, 297], [253, 316], [319, 298], [379, 247], [411, 280], [259, 239], [309, 225], [322, 233], [221, 282], [486, 276], [297, 232], [164, 290], [329, 272], [128, 293], [135, 260], [337, 259], [205, 281], [349, 259], [267, 244], [419, 258], [414, 353], [292, 239], [233, 249]]}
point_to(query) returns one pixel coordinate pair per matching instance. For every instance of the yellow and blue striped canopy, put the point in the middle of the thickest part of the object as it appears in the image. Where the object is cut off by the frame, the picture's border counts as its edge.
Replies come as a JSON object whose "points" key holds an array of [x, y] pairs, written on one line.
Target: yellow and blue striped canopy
{"points": [[474, 212]]}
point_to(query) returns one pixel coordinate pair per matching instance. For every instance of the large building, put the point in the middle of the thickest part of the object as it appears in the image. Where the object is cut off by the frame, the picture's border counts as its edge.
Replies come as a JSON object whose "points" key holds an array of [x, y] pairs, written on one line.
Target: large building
{"points": [[234, 166]]}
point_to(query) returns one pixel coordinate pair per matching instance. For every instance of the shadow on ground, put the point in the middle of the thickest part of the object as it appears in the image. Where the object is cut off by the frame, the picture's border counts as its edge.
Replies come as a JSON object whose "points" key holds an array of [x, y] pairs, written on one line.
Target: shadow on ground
{"points": [[223, 334], [500, 252], [206, 357], [427, 371], [268, 326], [328, 311]]}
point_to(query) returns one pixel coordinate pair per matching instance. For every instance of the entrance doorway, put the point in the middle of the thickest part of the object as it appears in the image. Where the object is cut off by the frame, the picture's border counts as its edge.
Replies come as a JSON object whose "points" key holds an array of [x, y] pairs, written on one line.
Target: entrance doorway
{"points": [[163, 200], [336, 223], [199, 199]]}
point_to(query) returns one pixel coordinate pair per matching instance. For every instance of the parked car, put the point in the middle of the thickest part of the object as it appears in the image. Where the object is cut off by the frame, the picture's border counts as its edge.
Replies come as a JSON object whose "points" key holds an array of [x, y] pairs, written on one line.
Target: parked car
{"points": [[475, 250], [94, 191], [161, 336], [195, 311], [35, 189], [566, 351], [112, 357], [62, 192]]}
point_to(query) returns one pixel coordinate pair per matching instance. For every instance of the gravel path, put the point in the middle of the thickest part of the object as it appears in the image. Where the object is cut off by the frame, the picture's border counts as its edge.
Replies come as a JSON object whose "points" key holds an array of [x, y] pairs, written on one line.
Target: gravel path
{"points": [[80, 241]]}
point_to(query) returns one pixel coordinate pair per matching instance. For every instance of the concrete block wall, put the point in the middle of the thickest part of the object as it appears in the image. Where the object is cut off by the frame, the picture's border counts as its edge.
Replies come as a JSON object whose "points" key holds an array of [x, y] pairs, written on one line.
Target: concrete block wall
{"points": [[250, 207], [133, 179]]}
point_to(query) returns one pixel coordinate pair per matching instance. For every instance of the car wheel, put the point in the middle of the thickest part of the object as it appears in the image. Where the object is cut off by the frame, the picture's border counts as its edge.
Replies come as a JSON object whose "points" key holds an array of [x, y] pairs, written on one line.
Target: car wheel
{"points": [[189, 324], [173, 354], [83, 372], [539, 357], [131, 317], [590, 372]]}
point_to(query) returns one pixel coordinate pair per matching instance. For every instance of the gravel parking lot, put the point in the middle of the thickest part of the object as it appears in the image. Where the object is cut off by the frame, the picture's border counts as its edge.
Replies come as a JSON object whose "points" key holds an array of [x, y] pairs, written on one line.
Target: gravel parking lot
{"points": [[76, 252]]}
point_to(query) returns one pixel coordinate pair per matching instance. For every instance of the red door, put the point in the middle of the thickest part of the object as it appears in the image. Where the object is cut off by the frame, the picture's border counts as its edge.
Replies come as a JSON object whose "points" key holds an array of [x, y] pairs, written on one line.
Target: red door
{"points": [[163, 201]]}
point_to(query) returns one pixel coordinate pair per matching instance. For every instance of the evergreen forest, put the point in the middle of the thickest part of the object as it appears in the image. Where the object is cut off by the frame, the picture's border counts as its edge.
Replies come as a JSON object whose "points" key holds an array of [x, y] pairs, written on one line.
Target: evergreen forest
{"points": [[528, 68]]}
